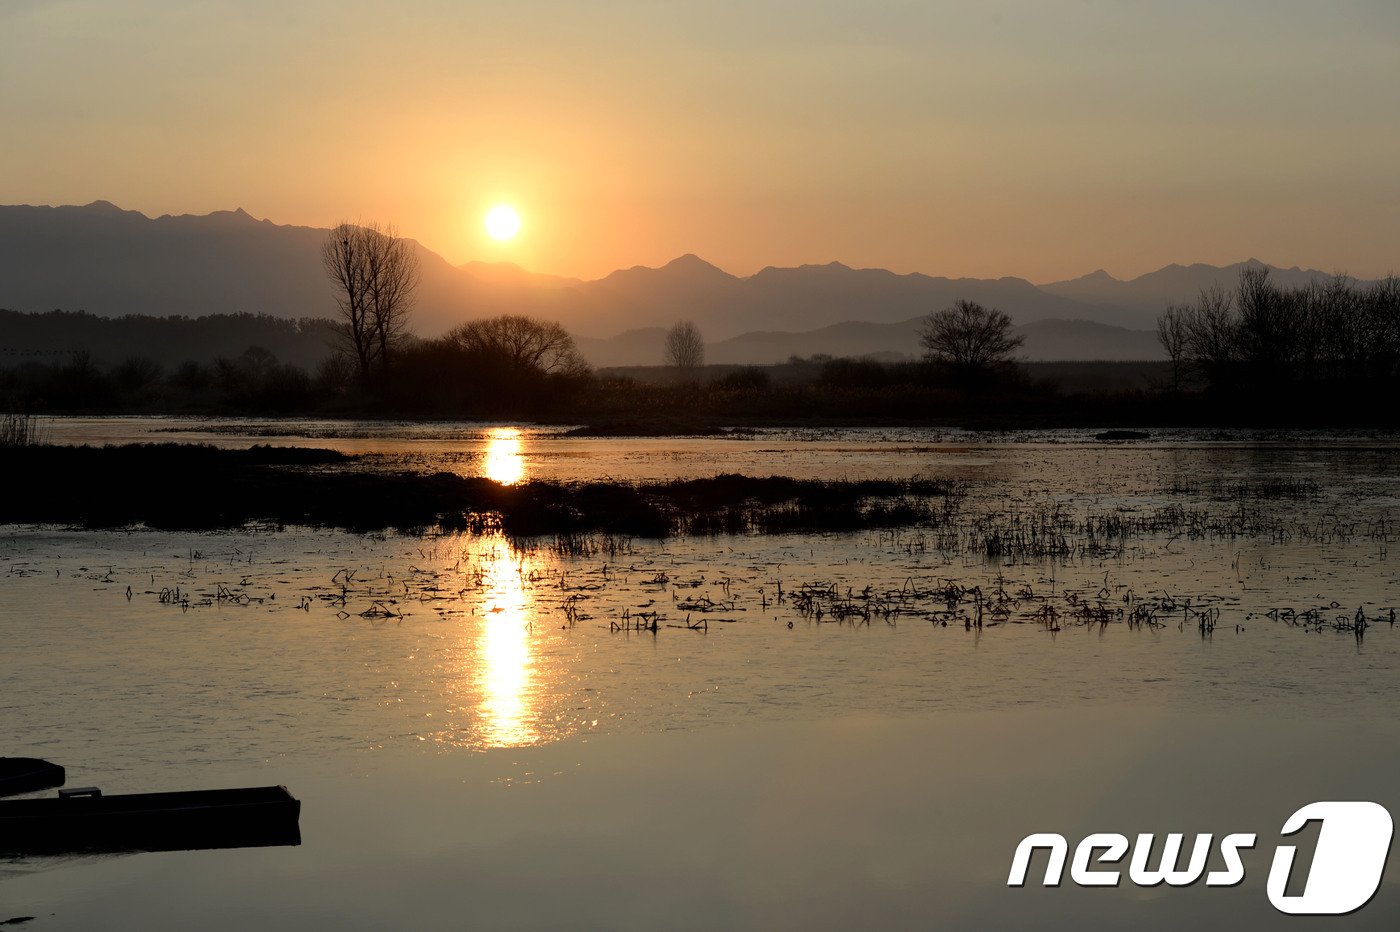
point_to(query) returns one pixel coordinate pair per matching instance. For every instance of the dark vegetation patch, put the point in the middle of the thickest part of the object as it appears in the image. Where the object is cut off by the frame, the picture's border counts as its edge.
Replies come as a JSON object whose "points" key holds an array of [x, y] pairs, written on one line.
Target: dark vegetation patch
{"points": [[652, 428], [1285, 489], [195, 487]]}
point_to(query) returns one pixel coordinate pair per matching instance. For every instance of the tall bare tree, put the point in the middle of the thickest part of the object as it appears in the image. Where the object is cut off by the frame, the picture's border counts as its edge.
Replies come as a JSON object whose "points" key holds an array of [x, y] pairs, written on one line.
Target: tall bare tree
{"points": [[343, 255], [969, 336], [393, 281], [1212, 335], [685, 347], [374, 273], [1173, 333]]}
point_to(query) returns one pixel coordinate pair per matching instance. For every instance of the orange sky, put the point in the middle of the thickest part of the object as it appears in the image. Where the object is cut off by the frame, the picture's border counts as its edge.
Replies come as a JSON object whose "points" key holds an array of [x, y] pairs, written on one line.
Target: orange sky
{"points": [[1035, 139]]}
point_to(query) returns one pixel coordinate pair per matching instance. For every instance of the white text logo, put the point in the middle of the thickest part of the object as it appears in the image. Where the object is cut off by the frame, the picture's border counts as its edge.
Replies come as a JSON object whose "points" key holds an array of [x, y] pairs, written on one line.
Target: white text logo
{"points": [[1352, 846]]}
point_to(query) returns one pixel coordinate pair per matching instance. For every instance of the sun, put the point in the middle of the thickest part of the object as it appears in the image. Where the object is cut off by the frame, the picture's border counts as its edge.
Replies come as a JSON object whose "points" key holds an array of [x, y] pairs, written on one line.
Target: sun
{"points": [[502, 222]]}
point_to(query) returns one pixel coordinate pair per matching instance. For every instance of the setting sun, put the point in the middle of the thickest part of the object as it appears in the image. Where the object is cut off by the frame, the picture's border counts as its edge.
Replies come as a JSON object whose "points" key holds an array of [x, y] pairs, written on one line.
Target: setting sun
{"points": [[502, 222]]}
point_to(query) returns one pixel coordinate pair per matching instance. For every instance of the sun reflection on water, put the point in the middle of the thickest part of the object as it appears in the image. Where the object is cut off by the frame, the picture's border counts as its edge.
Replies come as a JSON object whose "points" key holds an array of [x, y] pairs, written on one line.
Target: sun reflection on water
{"points": [[503, 462], [504, 651]]}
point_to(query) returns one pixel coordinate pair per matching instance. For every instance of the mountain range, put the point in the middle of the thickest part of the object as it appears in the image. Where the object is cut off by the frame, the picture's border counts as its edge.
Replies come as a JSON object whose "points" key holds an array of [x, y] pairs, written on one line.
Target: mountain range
{"points": [[112, 262]]}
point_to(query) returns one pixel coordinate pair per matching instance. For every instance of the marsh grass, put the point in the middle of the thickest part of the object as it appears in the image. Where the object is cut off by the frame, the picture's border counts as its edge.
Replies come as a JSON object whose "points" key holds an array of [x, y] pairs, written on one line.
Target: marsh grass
{"points": [[614, 584], [1274, 489], [21, 430]]}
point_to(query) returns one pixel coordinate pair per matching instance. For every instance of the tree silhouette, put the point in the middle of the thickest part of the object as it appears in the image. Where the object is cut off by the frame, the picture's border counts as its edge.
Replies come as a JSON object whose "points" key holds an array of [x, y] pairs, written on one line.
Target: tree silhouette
{"points": [[685, 347], [969, 336], [374, 273], [343, 256], [1173, 334], [520, 345], [1261, 340]]}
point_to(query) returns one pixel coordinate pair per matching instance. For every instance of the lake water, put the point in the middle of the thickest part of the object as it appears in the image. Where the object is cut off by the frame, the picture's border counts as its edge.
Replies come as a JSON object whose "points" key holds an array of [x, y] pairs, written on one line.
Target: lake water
{"points": [[1200, 589]]}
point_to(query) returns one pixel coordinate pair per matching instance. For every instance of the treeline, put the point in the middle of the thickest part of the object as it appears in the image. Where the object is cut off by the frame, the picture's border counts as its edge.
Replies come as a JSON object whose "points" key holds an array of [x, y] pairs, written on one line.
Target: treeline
{"points": [[1324, 354], [73, 361], [848, 391], [1314, 346], [507, 367], [520, 369], [253, 382], [55, 336]]}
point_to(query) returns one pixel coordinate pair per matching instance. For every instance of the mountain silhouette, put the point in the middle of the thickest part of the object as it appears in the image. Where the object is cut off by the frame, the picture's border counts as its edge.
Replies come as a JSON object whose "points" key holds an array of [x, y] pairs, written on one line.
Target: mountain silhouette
{"points": [[1143, 298], [110, 262]]}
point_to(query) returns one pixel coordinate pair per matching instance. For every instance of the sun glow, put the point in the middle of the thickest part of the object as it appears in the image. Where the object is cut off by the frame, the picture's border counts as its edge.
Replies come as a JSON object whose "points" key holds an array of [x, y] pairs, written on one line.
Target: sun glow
{"points": [[502, 222]]}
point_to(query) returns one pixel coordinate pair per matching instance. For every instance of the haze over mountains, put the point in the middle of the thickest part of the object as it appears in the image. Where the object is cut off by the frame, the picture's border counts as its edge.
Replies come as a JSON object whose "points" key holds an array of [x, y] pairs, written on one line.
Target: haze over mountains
{"points": [[111, 262]]}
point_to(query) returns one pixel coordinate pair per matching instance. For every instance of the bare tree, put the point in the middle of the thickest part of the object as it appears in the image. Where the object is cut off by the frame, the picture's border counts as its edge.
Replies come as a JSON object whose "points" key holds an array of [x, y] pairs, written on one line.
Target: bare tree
{"points": [[969, 336], [685, 347], [1212, 335], [1268, 323], [1173, 334], [1261, 339], [393, 280], [344, 257], [374, 273], [522, 344]]}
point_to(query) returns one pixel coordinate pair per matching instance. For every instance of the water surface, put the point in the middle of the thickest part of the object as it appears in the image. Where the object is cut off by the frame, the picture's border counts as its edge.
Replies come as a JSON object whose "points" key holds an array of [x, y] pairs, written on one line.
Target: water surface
{"points": [[381, 675]]}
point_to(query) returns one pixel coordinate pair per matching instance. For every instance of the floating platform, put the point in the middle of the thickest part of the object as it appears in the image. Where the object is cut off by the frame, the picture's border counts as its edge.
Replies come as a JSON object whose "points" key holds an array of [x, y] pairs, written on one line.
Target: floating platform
{"points": [[83, 820]]}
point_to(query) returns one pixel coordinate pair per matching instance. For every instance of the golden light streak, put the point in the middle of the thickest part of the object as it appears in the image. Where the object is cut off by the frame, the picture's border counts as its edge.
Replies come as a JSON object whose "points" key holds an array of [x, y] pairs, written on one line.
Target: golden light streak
{"points": [[505, 655]]}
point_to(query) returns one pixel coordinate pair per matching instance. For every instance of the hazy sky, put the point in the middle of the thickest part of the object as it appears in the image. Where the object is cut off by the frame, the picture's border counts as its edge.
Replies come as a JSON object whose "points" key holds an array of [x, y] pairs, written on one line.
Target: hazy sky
{"points": [[992, 138]]}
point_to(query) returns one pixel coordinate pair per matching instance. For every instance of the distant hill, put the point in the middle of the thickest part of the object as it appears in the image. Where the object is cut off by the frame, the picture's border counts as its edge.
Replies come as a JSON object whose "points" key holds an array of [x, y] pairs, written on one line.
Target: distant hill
{"points": [[55, 336], [113, 262], [642, 347], [1087, 340], [1044, 340], [508, 274]]}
